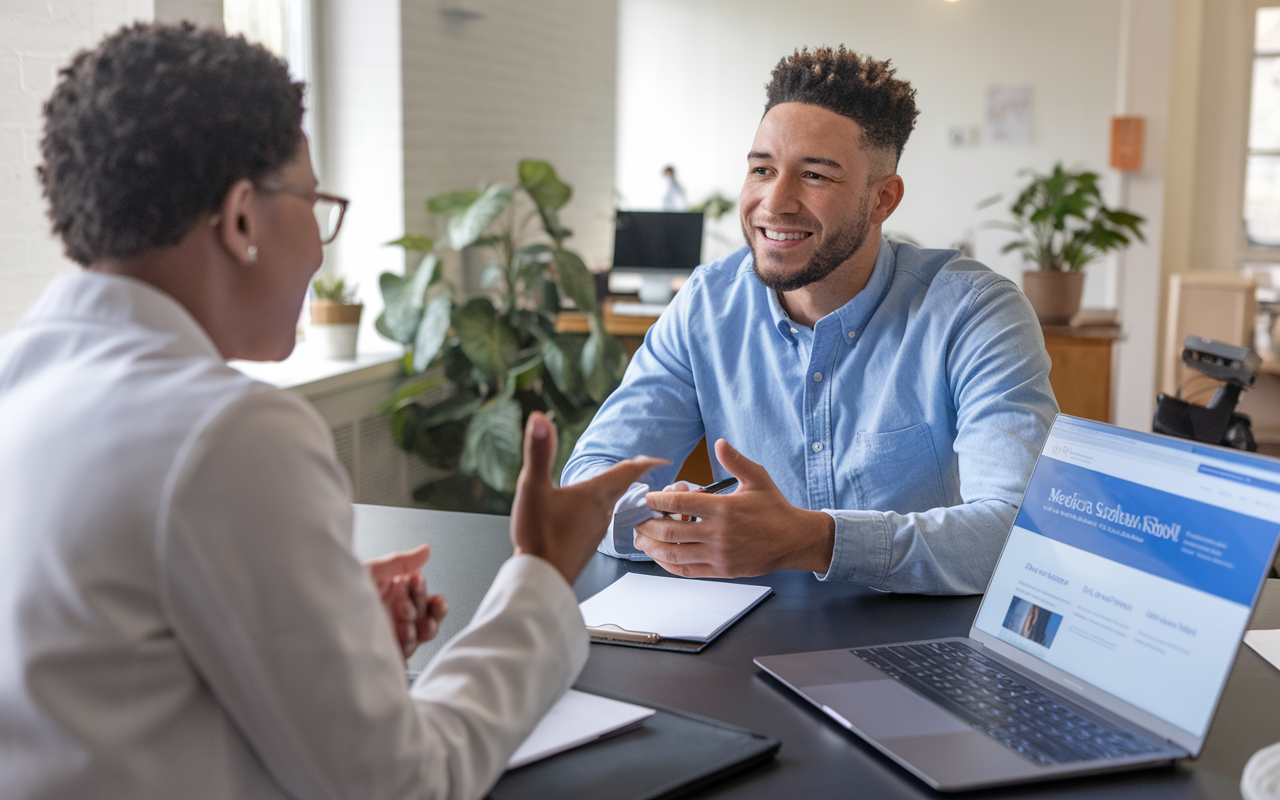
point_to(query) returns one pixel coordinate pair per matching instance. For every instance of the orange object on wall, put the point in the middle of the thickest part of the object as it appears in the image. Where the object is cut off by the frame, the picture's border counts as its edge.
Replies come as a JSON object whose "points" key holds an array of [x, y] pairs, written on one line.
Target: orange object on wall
{"points": [[1126, 143]]}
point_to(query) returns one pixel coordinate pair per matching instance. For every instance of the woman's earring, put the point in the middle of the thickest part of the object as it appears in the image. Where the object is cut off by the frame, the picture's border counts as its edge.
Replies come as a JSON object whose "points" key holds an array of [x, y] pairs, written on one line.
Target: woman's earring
{"points": [[251, 254]]}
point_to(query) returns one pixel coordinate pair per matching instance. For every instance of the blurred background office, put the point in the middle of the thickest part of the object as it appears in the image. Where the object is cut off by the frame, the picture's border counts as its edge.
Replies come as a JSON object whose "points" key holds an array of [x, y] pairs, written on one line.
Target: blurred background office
{"points": [[413, 98]]}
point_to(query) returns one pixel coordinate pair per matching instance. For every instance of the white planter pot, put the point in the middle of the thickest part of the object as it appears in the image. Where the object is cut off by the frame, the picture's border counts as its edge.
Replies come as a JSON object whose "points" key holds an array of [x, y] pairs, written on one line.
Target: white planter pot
{"points": [[333, 341]]}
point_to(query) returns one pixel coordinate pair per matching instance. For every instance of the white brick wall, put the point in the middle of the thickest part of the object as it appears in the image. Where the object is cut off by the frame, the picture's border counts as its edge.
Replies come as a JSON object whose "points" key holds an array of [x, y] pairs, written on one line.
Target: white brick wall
{"points": [[36, 38], [525, 80]]}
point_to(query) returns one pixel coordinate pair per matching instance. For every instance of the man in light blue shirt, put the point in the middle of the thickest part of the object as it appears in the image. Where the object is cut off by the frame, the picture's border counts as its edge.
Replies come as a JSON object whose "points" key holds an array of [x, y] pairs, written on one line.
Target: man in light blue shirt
{"points": [[881, 405]]}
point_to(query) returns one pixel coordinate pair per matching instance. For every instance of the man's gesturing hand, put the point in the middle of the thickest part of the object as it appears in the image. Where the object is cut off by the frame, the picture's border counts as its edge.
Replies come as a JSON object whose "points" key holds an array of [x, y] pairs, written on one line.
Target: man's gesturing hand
{"points": [[750, 532], [564, 525], [415, 615]]}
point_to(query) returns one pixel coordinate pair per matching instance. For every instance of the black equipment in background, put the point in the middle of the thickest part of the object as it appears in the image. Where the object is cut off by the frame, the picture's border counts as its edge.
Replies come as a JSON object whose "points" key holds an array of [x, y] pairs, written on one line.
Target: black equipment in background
{"points": [[658, 240], [1216, 423]]}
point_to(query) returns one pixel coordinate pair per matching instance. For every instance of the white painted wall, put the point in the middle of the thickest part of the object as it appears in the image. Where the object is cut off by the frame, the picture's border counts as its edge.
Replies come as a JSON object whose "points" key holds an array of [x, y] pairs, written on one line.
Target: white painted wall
{"points": [[524, 80], [362, 146], [691, 81], [1143, 89], [37, 37]]}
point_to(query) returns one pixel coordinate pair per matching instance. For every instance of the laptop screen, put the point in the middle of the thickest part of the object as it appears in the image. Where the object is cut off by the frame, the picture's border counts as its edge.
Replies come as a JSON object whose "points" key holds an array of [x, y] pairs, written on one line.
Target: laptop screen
{"points": [[1134, 563]]}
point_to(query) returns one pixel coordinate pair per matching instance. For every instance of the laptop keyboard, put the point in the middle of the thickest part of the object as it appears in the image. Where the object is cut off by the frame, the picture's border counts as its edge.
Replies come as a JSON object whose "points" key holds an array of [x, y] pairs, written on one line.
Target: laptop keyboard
{"points": [[981, 692]]}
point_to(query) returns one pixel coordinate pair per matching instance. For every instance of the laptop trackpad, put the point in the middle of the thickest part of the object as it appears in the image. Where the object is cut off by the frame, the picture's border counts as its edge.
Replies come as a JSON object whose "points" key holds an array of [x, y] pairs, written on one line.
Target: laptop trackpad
{"points": [[885, 709]]}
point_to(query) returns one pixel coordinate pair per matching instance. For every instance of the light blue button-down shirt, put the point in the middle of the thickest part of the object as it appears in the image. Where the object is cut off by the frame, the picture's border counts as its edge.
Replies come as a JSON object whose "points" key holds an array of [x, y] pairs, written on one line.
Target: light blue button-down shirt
{"points": [[912, 415]]}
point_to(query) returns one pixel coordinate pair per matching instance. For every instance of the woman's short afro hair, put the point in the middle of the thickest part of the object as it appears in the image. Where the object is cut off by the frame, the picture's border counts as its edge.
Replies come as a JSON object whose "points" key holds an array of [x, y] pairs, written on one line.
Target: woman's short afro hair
{"points": [[150, 129], [853, 86]]}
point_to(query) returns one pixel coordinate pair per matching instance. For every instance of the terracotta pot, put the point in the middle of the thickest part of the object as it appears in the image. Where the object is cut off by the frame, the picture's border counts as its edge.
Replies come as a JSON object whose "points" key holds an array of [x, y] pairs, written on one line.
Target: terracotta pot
{"points": [[333, 330], [1055, 296], [327, 312]]}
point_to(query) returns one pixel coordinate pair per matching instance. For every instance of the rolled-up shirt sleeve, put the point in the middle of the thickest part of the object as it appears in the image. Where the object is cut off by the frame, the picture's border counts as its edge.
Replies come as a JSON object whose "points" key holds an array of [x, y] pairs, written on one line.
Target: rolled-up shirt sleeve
{"points": [[284, 625]]}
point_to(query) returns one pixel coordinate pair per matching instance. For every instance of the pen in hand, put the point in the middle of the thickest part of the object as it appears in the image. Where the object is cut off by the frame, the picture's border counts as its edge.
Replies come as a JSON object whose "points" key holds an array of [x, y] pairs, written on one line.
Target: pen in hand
{"points": [[719, 487]]}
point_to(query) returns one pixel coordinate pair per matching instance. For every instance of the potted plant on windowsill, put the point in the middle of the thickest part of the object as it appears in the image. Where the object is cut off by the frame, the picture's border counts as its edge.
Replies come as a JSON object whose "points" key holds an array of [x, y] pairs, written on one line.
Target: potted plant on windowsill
{"points": [[1063, 225], [335, 319]]}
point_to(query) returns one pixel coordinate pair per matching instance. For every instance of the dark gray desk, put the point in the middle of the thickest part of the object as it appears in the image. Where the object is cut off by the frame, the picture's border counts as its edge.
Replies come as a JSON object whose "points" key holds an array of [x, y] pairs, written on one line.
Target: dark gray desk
{"points": [[818, 759]]}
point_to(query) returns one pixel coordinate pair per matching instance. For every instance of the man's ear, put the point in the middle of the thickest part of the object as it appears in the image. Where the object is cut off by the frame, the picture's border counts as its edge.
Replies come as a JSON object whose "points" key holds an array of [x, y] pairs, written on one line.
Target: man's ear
{"points": [[237, 223], [886, 194]]}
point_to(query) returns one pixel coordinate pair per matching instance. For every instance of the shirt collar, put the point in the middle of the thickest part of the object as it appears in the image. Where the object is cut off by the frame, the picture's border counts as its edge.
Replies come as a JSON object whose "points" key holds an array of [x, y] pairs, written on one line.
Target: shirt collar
{"points": [[852, 317], [116, 301]]}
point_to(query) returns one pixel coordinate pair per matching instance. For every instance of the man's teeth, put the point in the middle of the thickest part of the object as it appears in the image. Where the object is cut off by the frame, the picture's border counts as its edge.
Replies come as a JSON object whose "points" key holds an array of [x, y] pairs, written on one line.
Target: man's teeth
{"points": [[779, 236]]}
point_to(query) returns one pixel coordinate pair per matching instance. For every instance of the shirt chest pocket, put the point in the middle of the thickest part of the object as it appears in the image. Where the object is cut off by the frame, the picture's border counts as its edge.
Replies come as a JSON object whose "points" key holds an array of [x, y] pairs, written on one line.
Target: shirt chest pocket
{"points": [[897, 471]]}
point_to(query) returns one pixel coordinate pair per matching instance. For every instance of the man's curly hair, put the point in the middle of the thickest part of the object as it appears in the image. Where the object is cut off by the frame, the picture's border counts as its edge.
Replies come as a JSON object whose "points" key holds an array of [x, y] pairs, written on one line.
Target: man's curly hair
{"points": [[853, 86], [150, 129]]}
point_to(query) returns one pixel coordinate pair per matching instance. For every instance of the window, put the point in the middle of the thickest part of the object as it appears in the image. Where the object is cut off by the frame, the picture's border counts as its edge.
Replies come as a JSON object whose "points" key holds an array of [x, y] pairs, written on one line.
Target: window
{"points": [[285, 28], [1262, 172]]}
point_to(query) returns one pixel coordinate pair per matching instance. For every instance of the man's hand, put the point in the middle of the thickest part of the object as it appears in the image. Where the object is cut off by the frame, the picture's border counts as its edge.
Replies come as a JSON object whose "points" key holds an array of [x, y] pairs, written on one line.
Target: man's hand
{"points": [[750, 532], [415, 615], [564, 525]]}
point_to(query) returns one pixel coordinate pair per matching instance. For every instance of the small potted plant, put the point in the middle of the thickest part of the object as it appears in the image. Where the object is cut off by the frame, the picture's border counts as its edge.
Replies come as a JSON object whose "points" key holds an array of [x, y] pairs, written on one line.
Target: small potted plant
{"points": [[1063, 225], [335, 319]]}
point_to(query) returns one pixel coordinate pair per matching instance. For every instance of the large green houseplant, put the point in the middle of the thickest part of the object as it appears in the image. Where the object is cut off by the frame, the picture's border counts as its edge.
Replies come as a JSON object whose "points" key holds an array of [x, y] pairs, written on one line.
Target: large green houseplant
{"points": [[500, 352], [1062, 224]]}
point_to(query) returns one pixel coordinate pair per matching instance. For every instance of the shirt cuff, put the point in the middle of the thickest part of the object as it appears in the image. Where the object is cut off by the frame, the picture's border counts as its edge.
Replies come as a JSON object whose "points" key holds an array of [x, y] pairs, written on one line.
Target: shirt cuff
{"points": [[863, 548], [630, 511]]}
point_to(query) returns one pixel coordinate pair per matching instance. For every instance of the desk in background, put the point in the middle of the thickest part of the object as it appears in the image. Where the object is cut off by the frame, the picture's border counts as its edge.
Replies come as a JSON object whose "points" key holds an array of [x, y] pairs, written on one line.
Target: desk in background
{"points": [[818, 759]]}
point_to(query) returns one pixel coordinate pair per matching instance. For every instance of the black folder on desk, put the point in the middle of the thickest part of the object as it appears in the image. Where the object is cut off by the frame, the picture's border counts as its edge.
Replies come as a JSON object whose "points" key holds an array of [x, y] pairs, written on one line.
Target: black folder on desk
{"points": [[673, 753]]}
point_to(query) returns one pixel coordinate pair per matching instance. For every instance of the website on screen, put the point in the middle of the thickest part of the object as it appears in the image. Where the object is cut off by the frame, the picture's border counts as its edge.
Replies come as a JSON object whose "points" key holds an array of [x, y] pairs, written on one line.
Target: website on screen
{"points": [[1133, 565]]}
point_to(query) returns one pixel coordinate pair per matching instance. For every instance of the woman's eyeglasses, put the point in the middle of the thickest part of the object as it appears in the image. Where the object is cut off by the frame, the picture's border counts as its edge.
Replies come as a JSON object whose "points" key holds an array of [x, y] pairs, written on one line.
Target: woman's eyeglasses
{"points": [[328, 208]]}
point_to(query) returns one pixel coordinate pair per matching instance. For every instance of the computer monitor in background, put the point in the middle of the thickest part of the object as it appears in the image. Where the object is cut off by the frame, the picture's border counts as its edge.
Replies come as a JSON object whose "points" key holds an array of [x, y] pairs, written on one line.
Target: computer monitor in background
{"points": [[657, 246]]}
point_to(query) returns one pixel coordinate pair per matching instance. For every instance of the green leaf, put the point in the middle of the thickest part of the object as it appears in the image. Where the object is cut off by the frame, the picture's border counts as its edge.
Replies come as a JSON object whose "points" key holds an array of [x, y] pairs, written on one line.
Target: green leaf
{"points": [[424, 244], [457, 367], [576, 280], [562, 356], [432, 331], [440, 446], [380, 325], [467, 225], [603, 362], [568, 434], [492, 450], [539, 179], [492, 275], [452, 202], [486, 339], [457, 408], [404, 297], [521, 376], [549, 194], [408, 391]]}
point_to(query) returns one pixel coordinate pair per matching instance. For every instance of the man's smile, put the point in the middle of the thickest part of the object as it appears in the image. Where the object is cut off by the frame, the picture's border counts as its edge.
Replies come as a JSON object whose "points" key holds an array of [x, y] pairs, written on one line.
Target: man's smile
{"points": [[783, 236]]}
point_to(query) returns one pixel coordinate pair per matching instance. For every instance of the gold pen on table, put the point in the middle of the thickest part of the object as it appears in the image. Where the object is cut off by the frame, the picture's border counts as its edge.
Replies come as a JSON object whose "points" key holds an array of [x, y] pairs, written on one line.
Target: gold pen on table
{"points": [[610, 631]]}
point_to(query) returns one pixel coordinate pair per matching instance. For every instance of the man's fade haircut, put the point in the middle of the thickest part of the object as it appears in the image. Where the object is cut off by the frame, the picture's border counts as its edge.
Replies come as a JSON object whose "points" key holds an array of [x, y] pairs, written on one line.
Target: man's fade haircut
{"points": [[851, 85], [149, 130]]}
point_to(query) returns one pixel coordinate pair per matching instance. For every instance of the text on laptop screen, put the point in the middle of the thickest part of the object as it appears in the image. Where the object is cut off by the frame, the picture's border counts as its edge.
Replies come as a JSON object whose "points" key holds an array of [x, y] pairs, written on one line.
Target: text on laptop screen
{"points": [[1133, 565]]}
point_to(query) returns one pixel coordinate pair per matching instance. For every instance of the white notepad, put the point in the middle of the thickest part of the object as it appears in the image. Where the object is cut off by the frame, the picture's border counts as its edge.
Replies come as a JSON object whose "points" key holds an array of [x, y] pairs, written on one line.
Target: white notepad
{"points": [[578, 718], [671, 608], [1266, 643]]}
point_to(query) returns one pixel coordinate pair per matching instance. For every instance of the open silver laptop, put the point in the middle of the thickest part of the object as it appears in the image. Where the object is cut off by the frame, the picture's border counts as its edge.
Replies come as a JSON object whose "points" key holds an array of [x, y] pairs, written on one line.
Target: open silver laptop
{"points": [[1106, 634]]}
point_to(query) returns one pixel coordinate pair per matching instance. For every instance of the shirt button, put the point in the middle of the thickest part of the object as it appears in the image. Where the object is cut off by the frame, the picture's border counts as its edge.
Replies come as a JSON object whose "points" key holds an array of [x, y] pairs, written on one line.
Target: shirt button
{"points": [[817, 376], [793, 330], [817, 447], [852, 334]]}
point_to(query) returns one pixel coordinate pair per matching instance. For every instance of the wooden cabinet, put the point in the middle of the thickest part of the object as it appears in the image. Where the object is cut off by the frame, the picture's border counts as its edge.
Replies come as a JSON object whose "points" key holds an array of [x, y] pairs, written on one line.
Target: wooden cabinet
{"points": [[1081, 368]]}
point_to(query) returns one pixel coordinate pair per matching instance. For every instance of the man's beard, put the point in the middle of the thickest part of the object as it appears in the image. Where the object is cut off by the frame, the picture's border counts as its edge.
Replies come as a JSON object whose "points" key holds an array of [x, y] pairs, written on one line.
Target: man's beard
{"points": [[835, 251]]}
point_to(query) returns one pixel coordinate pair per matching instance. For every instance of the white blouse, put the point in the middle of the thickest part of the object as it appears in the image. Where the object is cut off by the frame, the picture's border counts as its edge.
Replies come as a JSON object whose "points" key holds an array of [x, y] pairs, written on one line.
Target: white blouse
{"points": [[180, 611]]}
